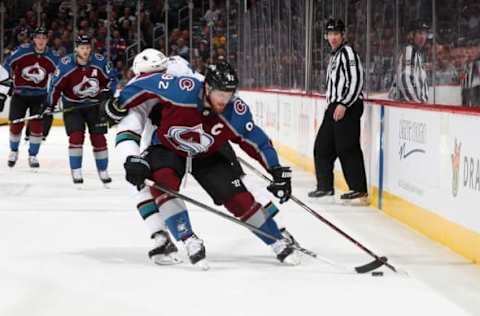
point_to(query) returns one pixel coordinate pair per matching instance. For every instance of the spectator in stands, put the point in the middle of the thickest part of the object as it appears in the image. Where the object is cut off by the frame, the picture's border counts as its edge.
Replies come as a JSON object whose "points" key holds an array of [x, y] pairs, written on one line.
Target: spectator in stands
{"points": [[445, 72], [182, 49]]}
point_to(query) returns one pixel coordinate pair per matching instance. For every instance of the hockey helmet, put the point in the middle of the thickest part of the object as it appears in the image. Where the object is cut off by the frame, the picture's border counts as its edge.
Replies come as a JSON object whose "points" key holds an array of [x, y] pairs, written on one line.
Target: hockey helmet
{"points": [[419, 25], [221, 76], [40, 31], [149, 60], [83, 40], [334, 26]]}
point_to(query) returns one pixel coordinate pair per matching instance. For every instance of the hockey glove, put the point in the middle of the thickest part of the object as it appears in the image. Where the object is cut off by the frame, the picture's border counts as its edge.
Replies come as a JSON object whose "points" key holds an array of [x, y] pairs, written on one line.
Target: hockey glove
{"points": [[47, 110], [3, 98], [137, 169], [281, 185], [113, 112]]}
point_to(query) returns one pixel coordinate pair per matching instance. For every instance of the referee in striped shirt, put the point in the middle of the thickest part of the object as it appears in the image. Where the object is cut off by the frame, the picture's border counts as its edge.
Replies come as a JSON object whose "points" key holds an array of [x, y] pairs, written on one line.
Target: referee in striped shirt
{"points": [[411, 75], [339, 134]]}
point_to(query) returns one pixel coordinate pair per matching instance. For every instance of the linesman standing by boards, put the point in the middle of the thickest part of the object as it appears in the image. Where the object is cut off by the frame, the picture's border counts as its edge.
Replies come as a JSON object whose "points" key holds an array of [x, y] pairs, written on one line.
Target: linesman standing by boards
{"points": [[339, 134]]}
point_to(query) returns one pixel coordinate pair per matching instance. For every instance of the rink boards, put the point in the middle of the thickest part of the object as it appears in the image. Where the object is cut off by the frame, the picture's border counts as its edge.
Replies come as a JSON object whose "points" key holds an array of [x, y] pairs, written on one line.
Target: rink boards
{"points": [[429, 177], [426, 174]]}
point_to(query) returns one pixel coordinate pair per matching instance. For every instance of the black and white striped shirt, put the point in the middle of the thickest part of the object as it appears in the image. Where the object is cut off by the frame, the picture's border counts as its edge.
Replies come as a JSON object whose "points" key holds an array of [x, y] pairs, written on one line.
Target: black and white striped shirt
{"points": [[411, 76], [344, 76], [472, 75]]}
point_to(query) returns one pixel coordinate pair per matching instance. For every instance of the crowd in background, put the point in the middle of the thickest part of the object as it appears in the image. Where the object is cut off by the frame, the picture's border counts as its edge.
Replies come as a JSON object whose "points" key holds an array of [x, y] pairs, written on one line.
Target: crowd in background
{"points": [[92, 19], [267, 40]]}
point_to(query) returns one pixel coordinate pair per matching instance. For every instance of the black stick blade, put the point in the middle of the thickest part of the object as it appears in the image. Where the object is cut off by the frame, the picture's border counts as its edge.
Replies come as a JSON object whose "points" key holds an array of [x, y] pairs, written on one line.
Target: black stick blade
{"points": [[375, 264]]}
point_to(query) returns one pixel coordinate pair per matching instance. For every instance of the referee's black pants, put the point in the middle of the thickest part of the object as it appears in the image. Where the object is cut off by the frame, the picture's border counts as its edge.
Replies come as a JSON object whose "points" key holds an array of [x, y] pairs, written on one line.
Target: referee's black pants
{"points": [[340, 139]]}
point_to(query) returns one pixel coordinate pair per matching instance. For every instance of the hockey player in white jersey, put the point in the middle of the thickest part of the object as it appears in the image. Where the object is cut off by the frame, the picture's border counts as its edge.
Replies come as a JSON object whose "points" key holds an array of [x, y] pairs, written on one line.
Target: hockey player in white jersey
{"points": [[133, 136]]}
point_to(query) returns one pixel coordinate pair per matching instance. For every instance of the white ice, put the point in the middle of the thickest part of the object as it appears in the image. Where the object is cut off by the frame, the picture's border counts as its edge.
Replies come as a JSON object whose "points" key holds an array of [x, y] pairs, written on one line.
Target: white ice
{"points": [[65, 251]]}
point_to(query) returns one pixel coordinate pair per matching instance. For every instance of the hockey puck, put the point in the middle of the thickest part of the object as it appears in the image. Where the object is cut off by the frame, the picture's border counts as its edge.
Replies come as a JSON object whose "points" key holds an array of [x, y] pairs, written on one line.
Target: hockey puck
{"points": [[377, 273]]}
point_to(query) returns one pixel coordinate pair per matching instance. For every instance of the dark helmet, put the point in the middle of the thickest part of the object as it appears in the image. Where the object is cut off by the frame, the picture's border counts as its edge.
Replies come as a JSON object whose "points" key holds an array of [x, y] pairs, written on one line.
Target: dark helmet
{"points": [[83, 40], [334, 26], [40, 31], [419, 25], [221, 76]]}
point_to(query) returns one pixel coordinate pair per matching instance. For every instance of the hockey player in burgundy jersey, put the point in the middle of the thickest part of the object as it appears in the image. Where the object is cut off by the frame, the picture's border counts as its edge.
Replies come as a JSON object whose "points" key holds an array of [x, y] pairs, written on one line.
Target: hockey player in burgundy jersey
{"points": [[198, 119], [30, 67], [84, 79]]}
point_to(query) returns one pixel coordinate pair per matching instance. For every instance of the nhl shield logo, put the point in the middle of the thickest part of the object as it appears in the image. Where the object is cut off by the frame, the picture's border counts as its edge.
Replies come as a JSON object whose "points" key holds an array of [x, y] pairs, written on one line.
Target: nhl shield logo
{"points": [[89, 87], [193, 140], [35, 73]]}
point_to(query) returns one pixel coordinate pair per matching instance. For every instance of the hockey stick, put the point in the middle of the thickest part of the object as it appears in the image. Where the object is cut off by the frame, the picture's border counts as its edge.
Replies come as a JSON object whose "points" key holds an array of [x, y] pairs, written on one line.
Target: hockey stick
{"points": [[38, 116], [257, 230], [375, 264]]}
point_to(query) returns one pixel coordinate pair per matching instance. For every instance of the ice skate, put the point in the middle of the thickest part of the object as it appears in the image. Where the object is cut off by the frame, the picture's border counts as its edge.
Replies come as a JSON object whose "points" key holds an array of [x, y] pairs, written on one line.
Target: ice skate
{"points": [[196, 252], [286, 253], [286, 234], [355, 198], [12, 158], [165, 252], [104, 177], [33, 162], [77, 176], [321, 196]]}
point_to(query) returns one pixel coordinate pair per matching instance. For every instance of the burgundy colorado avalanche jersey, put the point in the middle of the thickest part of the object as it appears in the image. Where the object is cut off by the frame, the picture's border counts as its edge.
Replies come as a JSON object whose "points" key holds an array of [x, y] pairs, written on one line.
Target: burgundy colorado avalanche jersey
{"points": [[30, 70]]}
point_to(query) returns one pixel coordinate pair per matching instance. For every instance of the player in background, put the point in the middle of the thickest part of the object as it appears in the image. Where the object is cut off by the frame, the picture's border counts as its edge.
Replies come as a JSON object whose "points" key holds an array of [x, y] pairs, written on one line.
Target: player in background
{"points": [[5, 87], [197, 121], [84, 79], [30, 67]]}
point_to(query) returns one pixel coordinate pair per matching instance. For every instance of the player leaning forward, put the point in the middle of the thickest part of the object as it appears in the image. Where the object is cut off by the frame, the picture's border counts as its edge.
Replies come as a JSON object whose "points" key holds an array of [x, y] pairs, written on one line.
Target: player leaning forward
{"points": [[198, 119], [30, 67], [84, 80]]}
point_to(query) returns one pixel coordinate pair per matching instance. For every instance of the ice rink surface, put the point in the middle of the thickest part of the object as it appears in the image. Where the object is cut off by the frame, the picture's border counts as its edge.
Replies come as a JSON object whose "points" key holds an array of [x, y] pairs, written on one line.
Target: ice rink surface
{"points": [[66, 251]]}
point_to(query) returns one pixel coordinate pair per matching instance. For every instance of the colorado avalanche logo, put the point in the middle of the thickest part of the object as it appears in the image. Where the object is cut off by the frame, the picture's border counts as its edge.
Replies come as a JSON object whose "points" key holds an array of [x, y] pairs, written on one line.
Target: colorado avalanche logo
{"points": [[186, 84], [89, 87], [192, 140], [35, 73], [239, 107]]}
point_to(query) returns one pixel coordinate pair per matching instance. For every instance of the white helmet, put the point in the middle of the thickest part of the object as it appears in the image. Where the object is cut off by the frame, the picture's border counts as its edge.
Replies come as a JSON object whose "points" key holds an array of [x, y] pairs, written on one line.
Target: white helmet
{"points": [[149, 60]]}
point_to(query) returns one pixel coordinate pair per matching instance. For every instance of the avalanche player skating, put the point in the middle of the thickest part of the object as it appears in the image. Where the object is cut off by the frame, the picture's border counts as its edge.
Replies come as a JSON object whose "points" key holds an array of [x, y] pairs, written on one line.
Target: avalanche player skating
{"points": [[84, 80], [135, 127], [197, 121], [30, 67]]}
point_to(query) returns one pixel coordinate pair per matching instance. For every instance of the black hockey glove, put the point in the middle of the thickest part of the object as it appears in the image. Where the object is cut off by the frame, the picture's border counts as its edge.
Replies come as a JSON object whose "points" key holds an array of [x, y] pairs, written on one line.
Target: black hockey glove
{"points": [[3, 98], [281, 185], [112, 113], [47, 110], [137, 170]]}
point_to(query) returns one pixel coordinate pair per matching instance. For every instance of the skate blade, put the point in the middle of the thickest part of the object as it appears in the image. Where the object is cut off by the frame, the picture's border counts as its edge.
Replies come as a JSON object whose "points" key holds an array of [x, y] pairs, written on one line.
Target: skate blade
{"points": [[363, 201], [330, 200], [202, 265], [168, 260]]}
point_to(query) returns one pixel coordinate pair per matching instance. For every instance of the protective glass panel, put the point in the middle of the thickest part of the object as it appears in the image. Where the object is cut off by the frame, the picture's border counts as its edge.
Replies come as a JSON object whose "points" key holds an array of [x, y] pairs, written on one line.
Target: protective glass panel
{"points": [[457, 53]]}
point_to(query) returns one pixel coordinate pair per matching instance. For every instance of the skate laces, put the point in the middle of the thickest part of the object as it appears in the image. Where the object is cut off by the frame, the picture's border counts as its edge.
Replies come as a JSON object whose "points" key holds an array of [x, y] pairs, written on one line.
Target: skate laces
{"points": [[193, 245], [160, 239], [280, 245]]}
